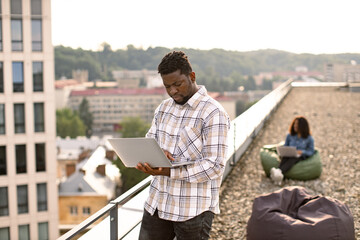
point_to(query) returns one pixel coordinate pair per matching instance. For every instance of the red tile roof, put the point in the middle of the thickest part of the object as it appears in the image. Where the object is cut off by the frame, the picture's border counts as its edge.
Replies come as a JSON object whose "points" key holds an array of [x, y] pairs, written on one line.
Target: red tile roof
{"points": [[223, 98]]}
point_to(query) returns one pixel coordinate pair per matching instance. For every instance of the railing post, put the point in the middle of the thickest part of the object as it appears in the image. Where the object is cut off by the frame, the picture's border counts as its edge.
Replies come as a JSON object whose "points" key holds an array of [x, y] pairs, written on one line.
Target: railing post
{"points": [[114, 222], [233, 161]]}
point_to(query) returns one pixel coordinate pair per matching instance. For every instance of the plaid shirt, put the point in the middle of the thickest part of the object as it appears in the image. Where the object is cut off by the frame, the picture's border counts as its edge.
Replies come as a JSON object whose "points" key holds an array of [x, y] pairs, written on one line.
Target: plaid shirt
{"points": [[197, 132]]}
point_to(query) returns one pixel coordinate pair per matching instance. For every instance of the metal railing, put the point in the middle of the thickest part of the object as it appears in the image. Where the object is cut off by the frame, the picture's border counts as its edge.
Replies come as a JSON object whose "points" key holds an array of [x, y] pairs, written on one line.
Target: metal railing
{"points": [[246, 126], [111, 207], [243, 130]]}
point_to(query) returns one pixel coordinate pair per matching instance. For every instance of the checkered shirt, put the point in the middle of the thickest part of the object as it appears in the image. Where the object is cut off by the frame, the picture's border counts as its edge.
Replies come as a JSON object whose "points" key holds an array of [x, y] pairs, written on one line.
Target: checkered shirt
{"points": [[196, 132]]}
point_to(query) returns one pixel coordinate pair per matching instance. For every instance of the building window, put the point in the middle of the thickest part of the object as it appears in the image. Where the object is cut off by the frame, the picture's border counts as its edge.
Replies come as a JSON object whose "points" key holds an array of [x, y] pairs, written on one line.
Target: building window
{"points": [[86, 210], [22, 199], [38, 77], [41, 197], [43, 231], [16, 34], [20, 155], [19, 117], [18, 76], [24, 232], [2, 118], [73, 210], [1, 69], [36, 7], [39, 117], [3, 164], [16, 7], [40, 157], [16, 25], [4, 202], [36, 25], [1, 41], [5, 233], [36, 34]]}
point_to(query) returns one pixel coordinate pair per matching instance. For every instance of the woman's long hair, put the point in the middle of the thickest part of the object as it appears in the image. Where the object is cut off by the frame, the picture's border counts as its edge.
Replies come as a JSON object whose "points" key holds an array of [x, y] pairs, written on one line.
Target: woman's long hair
{"points": [[303, 127]]}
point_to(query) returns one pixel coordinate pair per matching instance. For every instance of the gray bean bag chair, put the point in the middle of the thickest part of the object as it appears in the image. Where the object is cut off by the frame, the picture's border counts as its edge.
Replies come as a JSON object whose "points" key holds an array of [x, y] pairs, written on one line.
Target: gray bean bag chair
{"points": [[307, 169], [292, 214]]}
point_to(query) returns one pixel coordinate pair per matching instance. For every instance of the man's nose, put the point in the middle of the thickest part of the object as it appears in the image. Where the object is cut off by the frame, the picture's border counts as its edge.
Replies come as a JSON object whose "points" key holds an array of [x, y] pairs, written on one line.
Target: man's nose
{"points": [[173, 90]]}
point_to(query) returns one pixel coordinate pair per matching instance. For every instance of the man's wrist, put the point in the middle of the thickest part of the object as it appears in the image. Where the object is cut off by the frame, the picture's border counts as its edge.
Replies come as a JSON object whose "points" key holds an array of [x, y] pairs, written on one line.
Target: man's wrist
{"points": [[168, 172]]}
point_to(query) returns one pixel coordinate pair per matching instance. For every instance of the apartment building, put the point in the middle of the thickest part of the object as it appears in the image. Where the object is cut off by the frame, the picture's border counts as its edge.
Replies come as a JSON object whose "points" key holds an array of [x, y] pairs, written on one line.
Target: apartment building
{"points": [[137, 78], [64, 87], [29, 197], [342, 72], [110, 106]]}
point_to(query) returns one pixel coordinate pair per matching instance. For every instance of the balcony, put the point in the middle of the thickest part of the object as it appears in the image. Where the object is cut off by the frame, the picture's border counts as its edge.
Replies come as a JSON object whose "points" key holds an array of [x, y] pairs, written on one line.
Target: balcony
{"points": [[333, 111]]}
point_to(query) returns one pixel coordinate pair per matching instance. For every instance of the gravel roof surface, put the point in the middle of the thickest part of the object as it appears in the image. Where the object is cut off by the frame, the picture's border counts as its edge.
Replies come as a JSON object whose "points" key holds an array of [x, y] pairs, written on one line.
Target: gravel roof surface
{"points": [[334, 118]]}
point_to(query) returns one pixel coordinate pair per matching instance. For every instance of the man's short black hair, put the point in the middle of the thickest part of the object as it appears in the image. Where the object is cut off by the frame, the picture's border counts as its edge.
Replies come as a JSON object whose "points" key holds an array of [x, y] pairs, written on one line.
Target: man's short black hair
{"points": [[173, 61]]}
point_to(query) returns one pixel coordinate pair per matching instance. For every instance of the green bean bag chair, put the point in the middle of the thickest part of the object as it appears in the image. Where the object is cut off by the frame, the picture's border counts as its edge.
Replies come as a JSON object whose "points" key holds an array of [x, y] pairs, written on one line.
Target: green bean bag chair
{"points": [[307, 169]]}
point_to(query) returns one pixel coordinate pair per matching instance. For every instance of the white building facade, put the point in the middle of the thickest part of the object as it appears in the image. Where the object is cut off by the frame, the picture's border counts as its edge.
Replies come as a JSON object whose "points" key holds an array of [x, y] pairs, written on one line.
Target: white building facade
{"points": [[29, 196]]}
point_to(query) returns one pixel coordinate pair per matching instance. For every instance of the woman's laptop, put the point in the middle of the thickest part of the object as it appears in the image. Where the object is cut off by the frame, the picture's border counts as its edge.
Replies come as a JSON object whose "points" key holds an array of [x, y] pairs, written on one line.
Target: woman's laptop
{"points": [[132, 151], [287, 151]]}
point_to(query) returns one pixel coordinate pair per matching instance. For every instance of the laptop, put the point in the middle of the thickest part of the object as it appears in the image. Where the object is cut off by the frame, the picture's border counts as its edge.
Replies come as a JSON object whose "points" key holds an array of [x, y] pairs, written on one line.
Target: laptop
{"points": [[132, 151], [287, 151]]}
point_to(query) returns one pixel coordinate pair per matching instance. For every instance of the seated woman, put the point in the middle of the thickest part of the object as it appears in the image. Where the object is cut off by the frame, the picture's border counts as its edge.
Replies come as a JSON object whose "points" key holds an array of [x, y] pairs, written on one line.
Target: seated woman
{"points": [[299, 136]]}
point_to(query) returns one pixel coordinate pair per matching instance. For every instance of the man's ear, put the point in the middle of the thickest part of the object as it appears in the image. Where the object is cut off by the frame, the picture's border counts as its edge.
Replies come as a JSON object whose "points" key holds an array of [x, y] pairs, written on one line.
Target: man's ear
{"points": [[192, 76]]}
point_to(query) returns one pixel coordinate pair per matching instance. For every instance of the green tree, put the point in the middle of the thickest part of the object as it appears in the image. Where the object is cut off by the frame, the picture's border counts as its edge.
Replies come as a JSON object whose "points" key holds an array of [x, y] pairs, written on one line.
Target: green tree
{"points": [[240, 107], [86, 116], [250, 83], [68, 59], [221, 63], [249, 104], [104, 56], [131, 127], [106, 48], [68, 123], [129, 176]]}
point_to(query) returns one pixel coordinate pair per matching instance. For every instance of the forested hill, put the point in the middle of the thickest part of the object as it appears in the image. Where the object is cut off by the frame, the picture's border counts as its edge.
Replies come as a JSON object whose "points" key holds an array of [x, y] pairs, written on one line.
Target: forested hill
{"points": [[215, 63]]}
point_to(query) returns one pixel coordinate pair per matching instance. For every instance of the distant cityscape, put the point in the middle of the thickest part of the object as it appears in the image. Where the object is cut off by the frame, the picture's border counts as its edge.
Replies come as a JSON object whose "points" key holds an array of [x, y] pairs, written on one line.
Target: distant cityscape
{"points": [[110, 102]]}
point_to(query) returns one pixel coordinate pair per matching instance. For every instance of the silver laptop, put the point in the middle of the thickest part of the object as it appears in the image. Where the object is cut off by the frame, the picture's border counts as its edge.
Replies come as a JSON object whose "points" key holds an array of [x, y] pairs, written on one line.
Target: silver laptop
{"points": [[132, 151], [287, 151]]}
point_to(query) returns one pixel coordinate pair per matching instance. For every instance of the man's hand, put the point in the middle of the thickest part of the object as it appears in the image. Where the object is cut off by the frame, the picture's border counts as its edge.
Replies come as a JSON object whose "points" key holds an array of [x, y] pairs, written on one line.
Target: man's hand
{"points": [[153, 171], [146, 168], [168, 155]]}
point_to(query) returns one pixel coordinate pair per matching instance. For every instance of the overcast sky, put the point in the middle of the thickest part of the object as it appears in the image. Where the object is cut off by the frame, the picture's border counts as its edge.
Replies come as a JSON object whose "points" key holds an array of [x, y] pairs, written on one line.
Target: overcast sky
{"points": [[298, 26]]}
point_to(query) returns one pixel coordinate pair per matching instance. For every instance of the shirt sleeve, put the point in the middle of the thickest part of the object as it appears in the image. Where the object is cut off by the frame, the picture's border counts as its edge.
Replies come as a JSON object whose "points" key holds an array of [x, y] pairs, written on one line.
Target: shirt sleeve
{"points": [[212, 163], [287, 140], [309, 150]]}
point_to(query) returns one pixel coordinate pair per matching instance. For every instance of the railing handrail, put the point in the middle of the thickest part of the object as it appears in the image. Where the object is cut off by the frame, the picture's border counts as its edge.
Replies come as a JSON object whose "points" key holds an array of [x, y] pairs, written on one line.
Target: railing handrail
{"points": [[123, 198], [244, 128]]}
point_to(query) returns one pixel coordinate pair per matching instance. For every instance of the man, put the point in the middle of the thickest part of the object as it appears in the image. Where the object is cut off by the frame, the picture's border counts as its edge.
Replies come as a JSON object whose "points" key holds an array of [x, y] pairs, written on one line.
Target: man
{"points": [[190, 126]]}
